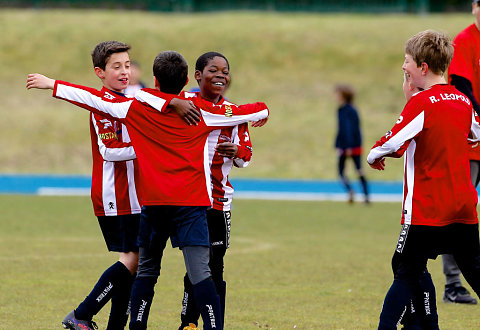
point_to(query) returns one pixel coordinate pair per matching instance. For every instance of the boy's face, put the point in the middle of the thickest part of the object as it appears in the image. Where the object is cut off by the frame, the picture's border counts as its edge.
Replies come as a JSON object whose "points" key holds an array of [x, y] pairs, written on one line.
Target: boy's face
{"points": [[408, 88], [214, 79], [476, 13], [117, 72], [412, 70]]}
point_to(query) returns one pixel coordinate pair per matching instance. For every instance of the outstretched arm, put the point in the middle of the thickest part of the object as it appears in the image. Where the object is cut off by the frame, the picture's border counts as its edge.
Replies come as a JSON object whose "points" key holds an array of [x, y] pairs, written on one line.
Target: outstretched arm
{"points": [[39, 81]]}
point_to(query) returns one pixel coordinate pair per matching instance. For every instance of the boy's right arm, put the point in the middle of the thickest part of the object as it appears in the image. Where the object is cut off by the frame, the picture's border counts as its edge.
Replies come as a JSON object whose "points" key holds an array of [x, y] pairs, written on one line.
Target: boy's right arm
{"points": [[82, 96]]}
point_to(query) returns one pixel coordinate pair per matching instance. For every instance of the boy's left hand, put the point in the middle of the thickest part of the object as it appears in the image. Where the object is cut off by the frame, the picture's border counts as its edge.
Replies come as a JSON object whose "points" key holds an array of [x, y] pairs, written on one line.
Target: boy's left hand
{"points": [[227, 149], [36, 80], [379, 164], [259, 123]]}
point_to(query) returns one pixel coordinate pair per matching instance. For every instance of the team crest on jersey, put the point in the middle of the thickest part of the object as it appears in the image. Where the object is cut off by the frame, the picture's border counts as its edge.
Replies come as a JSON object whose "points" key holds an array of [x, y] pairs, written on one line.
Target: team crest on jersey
{"points": [[228, 111], [109, 96]]}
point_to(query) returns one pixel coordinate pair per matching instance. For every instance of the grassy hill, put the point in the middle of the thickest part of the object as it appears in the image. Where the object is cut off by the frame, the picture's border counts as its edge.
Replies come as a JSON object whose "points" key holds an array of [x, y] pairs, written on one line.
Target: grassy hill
{"points": [[289, 61]]}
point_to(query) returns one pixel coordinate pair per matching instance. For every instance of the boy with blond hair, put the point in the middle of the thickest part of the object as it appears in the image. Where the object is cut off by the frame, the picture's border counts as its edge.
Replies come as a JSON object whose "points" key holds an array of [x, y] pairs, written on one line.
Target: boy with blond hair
{"points": [[439, 206]]}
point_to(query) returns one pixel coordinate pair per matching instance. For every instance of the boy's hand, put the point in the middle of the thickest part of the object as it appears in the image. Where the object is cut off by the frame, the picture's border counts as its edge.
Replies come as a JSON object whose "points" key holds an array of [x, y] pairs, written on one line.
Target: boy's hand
{"points": [[259, 123], [379, 164], [36, 80], [227, 149], [186, 110]]}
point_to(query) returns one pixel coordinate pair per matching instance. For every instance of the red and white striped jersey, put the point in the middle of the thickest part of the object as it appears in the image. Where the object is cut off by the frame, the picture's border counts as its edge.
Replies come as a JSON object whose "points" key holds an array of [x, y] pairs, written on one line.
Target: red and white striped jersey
{"points": [[115, 168], [222, 189], [432, 131], [173, 156]]}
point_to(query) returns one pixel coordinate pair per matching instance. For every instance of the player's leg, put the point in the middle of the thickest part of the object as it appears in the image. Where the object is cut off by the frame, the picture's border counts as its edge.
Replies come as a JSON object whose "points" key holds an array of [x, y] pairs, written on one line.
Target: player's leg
{"points": [[341, 173], [455, 292], [361, 175], [466, 251], [204, 291], [152, 238], [219, 223], [191, 235], [408, 264], [118, 277], [120, 310], [475, 172]]}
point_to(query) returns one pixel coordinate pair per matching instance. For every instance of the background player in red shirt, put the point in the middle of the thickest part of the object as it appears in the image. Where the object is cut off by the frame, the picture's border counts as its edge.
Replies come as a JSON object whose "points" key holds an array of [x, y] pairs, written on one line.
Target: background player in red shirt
{"points": [[464, 74], [114, 194], [439, 208], [227, 147]]}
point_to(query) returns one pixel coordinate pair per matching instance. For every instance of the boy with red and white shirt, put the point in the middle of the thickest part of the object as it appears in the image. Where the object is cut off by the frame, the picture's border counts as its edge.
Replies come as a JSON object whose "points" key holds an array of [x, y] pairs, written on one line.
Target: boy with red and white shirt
{"points": [[227, 147], [174, 176], [114, 194], [439, 207]]}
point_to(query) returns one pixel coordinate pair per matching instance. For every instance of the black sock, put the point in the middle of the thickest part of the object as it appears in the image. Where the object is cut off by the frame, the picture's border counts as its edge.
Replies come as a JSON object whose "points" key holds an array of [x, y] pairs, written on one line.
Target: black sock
{"points": [[208, 303], [108, 283], [395, 304], [190, 313], [121, 305], [141, 301]]}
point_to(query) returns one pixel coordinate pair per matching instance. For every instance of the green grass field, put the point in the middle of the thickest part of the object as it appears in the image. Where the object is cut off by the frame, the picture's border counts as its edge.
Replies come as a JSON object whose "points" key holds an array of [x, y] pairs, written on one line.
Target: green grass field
{"points": [[290, 61], [291, 265]]}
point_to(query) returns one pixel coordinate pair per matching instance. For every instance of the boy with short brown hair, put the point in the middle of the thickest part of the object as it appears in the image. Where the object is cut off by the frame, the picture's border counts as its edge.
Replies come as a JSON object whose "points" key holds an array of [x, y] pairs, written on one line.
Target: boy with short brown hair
{"points": [[114, 194], [439, 207]]}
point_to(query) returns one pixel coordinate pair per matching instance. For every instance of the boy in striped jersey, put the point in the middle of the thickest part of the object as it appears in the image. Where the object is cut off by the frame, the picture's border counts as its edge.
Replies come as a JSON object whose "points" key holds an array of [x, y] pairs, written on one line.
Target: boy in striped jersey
{"points": [[114, 194], [227, 147], [439, 207]]}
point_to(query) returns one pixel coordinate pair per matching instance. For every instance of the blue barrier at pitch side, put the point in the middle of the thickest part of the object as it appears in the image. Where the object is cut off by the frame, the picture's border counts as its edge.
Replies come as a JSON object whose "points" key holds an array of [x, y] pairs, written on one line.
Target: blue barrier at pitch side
{"points": [[244, 188]]}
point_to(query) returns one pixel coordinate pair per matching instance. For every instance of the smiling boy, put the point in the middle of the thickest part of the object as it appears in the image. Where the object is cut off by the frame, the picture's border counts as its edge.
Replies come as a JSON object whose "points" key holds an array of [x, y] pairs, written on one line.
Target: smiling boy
{"points": [[114, 194], [439, 206]]}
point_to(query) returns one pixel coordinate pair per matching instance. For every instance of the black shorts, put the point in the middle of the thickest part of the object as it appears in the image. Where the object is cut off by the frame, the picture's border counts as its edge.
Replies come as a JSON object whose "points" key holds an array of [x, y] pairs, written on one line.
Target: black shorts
{"points": [[417, 244], [219, 223], [120, 232]]}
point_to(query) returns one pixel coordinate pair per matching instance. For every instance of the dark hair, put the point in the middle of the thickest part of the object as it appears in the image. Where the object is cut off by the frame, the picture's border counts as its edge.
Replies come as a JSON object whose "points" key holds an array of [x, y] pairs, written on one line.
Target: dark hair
{"points": [[104, 50], [171, 71], [346, 91], [203, 60]]}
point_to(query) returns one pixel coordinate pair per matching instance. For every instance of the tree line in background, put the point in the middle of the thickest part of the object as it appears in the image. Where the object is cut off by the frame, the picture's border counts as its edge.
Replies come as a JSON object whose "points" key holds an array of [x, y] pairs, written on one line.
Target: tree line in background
{"points": [[419, 6]]}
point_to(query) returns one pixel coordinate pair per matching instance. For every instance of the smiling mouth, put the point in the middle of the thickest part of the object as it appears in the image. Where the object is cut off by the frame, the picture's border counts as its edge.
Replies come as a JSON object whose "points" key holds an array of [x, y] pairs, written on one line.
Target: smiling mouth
{"points": [[124, 80], [219, 84]]}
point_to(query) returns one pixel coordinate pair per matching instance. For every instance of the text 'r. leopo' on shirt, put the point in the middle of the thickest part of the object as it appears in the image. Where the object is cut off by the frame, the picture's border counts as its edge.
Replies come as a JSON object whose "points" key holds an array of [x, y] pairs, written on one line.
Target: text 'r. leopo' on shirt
{"points": [[449, 97]]}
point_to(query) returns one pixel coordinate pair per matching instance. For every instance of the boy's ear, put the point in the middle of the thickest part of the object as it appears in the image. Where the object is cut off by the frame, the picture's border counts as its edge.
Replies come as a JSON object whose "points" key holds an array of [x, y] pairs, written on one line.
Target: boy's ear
{"points": [[198, 75], [157, 84], [424, 68], [99, 72]]}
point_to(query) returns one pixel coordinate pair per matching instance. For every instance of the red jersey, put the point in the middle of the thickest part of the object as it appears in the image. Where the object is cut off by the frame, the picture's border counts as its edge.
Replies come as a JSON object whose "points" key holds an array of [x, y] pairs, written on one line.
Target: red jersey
{"points": [[466, 63], [222, 189], [172, 155], [432, 131], [115, 168]]}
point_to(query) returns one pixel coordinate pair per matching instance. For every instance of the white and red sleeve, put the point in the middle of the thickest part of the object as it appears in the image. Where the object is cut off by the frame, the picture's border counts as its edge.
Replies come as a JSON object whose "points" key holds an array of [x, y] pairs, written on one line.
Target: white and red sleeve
{"points": [[111, 144], [92, 100], [245, 149], [395, 141]]}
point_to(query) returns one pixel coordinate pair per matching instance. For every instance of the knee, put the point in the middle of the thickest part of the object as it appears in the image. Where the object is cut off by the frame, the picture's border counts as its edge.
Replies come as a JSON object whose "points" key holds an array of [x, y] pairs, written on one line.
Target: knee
{"points": [[130, 260]]}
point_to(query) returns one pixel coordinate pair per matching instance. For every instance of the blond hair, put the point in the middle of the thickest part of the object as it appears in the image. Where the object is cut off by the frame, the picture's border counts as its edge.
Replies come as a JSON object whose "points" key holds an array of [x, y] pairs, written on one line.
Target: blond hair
{"points": [[431, 47]]}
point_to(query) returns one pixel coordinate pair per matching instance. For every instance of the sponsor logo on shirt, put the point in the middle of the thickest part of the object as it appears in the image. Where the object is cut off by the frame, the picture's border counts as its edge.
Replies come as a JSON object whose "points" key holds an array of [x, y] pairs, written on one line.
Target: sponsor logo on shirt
{"points": [[107, 136], [108, 96], [228, 111]]}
